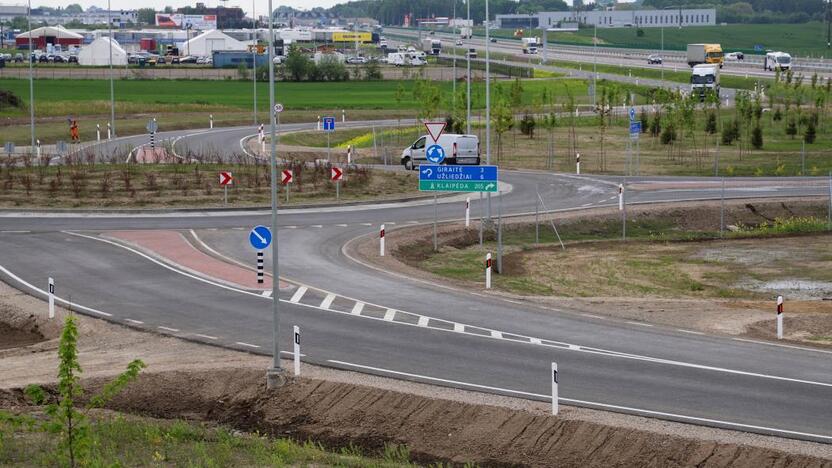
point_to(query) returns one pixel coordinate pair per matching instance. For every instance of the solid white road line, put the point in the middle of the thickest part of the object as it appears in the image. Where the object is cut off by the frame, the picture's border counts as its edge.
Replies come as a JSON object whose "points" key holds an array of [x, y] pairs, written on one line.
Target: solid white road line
{"points": [[740, 426], [327, 301], [298, 295], [802, 348], [249, 345], [689, 331], [496, 334], [57, 298], [205, 336], [357, 308], [389, 314], [135, 322], [172, 330], [640, 324], [15, 232], [535, 341]]}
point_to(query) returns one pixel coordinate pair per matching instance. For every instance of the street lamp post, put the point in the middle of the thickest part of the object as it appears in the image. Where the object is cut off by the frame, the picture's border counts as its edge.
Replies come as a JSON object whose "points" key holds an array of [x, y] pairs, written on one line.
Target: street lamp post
{"points": [[254, 57], [468, 80], [487, 98], [31, 81], [112, 85], [662, 55], [274, 376], [454, 33], [594, 62]]}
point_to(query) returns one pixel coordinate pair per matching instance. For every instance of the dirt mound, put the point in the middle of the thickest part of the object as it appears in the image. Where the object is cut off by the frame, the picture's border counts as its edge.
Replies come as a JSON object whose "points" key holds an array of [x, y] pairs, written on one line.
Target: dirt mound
{"points": [[339, 414]]}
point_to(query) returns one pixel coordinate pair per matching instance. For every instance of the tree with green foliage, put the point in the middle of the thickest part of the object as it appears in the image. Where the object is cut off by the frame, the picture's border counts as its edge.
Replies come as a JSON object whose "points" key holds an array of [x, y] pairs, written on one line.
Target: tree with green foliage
{"points": [[516, 93], [428, 97], [297, 64], [811, 132], [73, 9], [757, 137], [146, 16], [710, 123], [791, 127], [372, 72], [331, 69], [642, 117], [502, 120], [527, 125]]}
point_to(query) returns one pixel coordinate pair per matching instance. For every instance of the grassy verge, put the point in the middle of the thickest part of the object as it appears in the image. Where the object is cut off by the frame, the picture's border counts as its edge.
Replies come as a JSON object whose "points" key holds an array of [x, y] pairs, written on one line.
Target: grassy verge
{"points": [[132, 441], [662, 258], [185, 185]]}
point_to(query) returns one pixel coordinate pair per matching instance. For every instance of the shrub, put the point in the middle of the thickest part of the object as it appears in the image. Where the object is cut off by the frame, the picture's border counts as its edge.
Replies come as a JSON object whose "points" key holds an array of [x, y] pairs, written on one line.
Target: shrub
{"points": [[778, 116], [710, 123], [791, 128], [527, 125], [730, 133], [668, 135], [811, 132], [757, 137]]}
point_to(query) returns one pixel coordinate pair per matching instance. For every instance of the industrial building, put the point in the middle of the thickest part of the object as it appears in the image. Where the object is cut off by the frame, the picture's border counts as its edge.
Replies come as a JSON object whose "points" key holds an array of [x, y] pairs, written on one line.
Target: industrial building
{"points": [[612, 18], [43, 37], [98, 53], [205, 44]]}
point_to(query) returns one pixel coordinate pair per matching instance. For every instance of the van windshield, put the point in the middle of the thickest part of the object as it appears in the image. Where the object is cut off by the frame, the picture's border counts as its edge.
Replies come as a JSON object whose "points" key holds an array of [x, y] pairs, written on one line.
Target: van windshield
{"points": [[715, 55], [784, 59], [420, 143], [702, 79]]}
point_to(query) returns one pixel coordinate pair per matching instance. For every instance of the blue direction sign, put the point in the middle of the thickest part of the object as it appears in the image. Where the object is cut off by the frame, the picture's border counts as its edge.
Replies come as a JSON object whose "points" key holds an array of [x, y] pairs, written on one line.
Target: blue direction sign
{"points": [[436, 178], [435, 154], [260, 237], [632, 114], [329, 124], [635, 129]]}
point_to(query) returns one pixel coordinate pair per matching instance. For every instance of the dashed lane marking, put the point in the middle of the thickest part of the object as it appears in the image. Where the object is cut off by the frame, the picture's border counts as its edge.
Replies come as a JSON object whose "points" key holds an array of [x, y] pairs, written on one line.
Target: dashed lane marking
{"points": [[208, 337], [266, 293], [327, 301], [689, 331], [172, 330], [496, 334], [459, 328], [298, 294], [641, 324], [357, 308], [135, 322], [317, 226], [342, 225], [290, 227], [389, 314], [248, 345], [423, 321]]}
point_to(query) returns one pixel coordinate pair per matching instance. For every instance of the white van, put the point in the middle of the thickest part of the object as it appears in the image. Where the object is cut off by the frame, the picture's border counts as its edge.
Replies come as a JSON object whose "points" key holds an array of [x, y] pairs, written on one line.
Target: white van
{"points": [[459, 149], [775, 60]]}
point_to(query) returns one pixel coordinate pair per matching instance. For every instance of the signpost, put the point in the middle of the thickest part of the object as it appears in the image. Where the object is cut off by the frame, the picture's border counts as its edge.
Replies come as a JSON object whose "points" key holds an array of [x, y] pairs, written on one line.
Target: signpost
{"points": [[435, 154], [151, 127], [9, 148], [436, 178], [435, 129], [260, 238], [329, 127], [286, 177], [335, 175], [635, 131], [225, 180]]}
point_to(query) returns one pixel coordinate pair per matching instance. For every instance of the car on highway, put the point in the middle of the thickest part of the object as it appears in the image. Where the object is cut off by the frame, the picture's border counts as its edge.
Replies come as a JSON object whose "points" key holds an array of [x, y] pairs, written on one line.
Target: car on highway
{"points": [[187, 59], [357, 60], [278, 59], [654, 59], [458, 149], [472, 53], [459, 42], [735, 56], [493, 39]]}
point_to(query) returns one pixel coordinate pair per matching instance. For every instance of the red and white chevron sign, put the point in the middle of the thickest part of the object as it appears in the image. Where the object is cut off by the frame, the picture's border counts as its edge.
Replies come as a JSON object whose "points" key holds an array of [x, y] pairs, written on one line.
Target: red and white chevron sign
{"points": [[286, 176], [226, 179], [336, 174]]}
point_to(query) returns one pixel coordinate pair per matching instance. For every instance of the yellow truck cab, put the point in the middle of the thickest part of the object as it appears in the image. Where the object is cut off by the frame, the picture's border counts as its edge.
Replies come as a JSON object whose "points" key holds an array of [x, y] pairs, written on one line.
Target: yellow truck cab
{"points": [[705, 54]]}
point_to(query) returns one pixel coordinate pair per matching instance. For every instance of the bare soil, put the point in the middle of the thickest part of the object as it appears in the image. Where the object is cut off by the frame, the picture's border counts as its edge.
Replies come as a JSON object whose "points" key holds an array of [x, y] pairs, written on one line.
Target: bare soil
{"points": [[338, 408]]}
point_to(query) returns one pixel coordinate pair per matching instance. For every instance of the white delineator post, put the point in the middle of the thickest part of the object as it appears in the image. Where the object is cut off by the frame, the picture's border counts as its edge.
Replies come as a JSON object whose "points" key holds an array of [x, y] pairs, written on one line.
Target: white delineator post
{"points": [[319, 123], [578, 163], [37, 147], [554, 389], [262, 135], [109, 131], [381, 241], [296, 342], [620, 197], [779, 317], [343, 115], [211, 121], [97, 132], [349, 154], [468, 212], [488, 270], [51, 298]]}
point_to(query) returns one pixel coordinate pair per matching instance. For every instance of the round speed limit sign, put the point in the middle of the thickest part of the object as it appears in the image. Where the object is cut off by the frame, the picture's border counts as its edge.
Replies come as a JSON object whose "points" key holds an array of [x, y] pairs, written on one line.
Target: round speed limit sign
{"points": [[278, 108]]}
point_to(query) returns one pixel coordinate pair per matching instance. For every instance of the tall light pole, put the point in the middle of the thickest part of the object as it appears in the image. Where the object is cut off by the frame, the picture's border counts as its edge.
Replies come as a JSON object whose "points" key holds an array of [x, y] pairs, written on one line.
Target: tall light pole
{"points": [[662, 55], [274, 376], [31, 81], [468, 80], [454, 32], [594, 62], [254, 57], [487, 98], [112, 85]]}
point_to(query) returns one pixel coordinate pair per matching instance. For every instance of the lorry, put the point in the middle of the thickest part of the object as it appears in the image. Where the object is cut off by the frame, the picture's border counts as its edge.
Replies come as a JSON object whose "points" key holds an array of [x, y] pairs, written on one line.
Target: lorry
{"points": [[705, 53], [777, 60], [531, 45], [432, 46], [465, 33], [704, 79], [459, 149]]}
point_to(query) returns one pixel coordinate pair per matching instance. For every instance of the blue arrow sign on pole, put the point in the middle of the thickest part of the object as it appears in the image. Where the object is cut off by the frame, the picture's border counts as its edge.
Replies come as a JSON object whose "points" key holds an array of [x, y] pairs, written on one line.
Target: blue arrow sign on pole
{"points": [[329, 124], [435, 154], [635, 129], [260, 237], [457, 173]]}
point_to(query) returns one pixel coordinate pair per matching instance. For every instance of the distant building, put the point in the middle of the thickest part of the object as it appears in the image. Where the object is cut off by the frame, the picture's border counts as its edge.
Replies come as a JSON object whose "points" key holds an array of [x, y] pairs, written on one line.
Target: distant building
{"points": [[612, 18], [227, 18], [99, 52], [9, 12], [42, 37]]}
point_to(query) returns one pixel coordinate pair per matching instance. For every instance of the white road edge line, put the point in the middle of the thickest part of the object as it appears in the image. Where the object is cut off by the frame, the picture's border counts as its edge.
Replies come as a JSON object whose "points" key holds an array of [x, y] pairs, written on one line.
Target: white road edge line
{"points": [[172, 330], [247, 344], [136, 322], [298, 295], [584, 402], [782, 345], [423, 321], [389, 314], [57, 298], [206, 336]]}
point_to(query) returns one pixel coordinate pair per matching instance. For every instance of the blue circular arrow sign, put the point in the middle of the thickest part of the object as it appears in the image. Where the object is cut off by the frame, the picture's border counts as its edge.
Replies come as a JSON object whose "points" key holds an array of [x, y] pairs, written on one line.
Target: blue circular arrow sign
{"points": [[260, 237], [435, 154]]}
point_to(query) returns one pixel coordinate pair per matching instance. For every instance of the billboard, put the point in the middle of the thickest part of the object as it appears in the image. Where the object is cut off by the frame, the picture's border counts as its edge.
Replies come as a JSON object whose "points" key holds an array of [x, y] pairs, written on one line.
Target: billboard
{"points": [[352, 37], [180, 21]]}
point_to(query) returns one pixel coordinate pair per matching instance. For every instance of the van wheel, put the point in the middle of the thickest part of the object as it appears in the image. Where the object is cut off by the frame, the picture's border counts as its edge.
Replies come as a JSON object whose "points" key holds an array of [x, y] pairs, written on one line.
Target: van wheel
{"points": [[408, 164]]}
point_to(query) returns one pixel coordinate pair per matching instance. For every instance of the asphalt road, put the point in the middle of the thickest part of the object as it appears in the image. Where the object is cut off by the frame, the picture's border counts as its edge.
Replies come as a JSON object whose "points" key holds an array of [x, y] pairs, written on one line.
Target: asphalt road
{"points": [[412, 330]]}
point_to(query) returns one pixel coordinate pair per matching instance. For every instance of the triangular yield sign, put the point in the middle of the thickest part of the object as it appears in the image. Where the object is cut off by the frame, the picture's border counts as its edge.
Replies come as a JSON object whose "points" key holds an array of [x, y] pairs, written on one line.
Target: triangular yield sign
{"points": [[435, 129]]}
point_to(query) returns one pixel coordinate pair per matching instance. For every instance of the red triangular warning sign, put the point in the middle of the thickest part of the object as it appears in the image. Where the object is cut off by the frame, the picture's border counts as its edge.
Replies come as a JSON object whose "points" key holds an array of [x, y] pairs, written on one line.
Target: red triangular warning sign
{"points": [[435, 129]]}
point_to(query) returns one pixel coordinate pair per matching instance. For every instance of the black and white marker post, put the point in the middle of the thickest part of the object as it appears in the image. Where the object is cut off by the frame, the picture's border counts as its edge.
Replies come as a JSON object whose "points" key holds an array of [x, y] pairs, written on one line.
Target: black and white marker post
{"points": [[554, 389], [51, 298], [779, 317], [578, 163], [109, 131], [488, 270], [467, 212], [97, 132], [211, 121], [381, 241], [259, 267], [296, 342]]}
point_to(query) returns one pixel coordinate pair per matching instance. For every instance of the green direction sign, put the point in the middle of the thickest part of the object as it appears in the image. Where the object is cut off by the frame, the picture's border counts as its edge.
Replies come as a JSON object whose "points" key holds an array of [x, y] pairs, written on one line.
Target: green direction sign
{"points": [[457, 186]]}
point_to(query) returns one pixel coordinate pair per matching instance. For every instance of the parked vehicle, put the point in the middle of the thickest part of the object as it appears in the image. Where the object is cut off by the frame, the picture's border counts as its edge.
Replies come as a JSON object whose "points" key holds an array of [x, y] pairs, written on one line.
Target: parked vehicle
{"points": [[459, 42], [459, 149], [187, 59], [777, 61], [705, 53], [531, 44], [418, 62], [654, 59], [357, 60], [493, 39], [704, 79], [72, 59], [397, 58], [18, 57]]}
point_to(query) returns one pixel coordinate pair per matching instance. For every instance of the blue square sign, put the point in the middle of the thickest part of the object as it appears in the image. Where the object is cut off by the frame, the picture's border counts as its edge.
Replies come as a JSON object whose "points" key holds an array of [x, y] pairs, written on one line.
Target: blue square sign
{"points": [[329, 124]]}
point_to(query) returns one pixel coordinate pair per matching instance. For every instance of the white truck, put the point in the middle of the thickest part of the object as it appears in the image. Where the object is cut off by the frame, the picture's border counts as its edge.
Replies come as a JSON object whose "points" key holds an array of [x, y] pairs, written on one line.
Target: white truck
{"points": [[459, 149], [531, 45], [432, 46], [465, 33], [777, 60], [704, 79]]}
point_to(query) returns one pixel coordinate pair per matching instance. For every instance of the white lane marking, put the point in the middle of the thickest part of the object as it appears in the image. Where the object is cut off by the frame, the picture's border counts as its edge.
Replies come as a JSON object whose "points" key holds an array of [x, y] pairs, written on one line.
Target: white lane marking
{"points": [[392, 223], [342, 225], [327, 301], [583, 402], [57, 298], [172, 330], [266, 293], [357, 308], [586, 204], [460, 328], [413, 222], [15, 232], [594, 316], [496, 334], [689, 331], [317, 226], [802, 348], [423, 321], [535, 341], [290, 227], [247, 344], [389, 314], [574, 347], [237, 228], [298, 295], [209, 337], [366, 224], [640, 324], [135, 322]]}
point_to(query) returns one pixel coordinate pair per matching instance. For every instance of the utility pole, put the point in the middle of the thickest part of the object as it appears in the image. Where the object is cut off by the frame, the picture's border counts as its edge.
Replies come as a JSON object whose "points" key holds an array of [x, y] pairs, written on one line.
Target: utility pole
{"points": [[594, 63], [32, 80], [254, 57], [274, 376], [470, 25], [487, 98], [454, 33], [112, 85], [829, 24]]}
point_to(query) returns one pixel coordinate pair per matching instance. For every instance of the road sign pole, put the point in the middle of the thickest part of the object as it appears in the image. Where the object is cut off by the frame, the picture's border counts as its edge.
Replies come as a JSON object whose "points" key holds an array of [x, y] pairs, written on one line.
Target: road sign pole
{"points": [[722, 209], [554, 389], [779, 317], [638, 156], [488, 270], [37, 148], [537, 219], [620, 197], [500, 234], [482, 218], [259, 267], [296, 330], [337, 190], [381, 241], [225, 194], [578, 163], [51, 298], [435, 203], [624, 210], [803, 158], [328, 149], [467, 212], [287, 192]]}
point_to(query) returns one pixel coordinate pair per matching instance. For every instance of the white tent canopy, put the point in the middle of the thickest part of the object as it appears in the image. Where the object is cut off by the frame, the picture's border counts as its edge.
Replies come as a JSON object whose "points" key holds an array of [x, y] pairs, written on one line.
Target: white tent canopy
{"points": [[98, 53], [51, 31], [206, 43]]}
